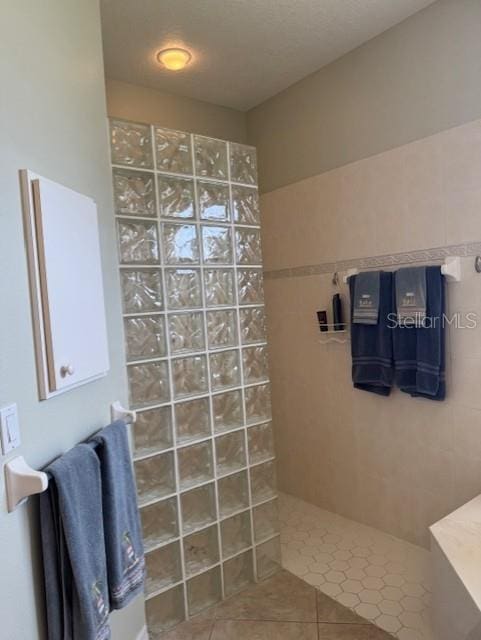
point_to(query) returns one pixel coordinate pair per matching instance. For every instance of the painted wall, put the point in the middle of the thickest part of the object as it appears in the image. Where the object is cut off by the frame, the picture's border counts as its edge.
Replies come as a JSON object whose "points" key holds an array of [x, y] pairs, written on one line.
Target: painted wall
{"points": [[53, 121], [132, 102], [395, 463], [416, 79]]}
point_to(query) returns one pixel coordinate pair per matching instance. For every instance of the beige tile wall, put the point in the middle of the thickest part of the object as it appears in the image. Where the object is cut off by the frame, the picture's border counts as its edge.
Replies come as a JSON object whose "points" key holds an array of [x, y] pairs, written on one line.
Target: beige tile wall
{"points": [[395, 463]]}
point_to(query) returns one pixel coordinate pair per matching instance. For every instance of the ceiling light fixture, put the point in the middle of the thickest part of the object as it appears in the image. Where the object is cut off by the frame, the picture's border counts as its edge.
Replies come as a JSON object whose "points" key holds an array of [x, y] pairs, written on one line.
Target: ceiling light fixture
{"points": [[174, 58]]}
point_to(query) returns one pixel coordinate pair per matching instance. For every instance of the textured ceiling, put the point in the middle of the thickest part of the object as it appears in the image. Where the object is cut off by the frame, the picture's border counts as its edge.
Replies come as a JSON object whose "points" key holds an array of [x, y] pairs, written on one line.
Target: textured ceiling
{"points": [[245, 51]]}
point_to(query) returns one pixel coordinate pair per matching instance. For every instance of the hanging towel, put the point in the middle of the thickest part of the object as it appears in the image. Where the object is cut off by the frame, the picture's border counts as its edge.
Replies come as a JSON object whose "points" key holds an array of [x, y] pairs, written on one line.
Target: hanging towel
{"points": [[419, 352], [371, 344], [73, 549], [123, 533], [410, 285], [366, 298]]}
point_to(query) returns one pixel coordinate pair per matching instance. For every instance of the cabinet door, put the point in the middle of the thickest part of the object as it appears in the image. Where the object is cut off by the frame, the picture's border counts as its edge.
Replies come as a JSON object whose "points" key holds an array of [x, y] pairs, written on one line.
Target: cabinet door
{"points": [[70, 279]]}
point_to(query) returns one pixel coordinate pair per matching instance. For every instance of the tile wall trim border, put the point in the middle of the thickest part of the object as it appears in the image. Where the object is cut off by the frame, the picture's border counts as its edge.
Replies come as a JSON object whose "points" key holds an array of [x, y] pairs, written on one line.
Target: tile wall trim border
{"points": [[371, 262]]}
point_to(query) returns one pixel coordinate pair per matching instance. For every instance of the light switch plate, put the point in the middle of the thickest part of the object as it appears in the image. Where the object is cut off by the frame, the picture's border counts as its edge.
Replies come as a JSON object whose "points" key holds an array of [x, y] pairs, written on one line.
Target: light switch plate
{"points": [[9, 429]]}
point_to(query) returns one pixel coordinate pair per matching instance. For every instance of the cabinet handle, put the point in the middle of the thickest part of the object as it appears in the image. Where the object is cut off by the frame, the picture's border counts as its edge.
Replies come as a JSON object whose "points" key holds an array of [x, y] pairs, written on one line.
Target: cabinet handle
{"points": [[66, 370]]}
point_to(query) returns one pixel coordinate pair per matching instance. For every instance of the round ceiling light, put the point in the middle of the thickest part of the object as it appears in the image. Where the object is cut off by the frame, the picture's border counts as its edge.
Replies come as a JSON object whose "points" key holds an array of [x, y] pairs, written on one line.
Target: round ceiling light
{"points": [[174, 59]]}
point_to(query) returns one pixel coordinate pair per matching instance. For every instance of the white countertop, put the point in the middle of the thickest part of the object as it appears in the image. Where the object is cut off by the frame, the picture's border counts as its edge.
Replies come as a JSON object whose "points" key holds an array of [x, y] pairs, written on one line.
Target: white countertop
{"points": [[459, 536]]}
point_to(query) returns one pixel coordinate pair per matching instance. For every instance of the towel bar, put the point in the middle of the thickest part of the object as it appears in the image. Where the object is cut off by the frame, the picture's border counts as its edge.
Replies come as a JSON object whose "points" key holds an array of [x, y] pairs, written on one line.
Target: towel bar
{"points": [[451, 269], [21, 481]]}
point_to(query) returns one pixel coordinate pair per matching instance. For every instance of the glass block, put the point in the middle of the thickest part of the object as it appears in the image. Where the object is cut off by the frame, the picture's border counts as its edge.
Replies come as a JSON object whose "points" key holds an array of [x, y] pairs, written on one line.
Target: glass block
{"points": [[263, 482], [245, 202], [233, 494], [165, 611], [138, 242], [222, 328], [201, 550], [134, 193], [131, 144], [238, 573], [255, 364], [252, 325], [190, 376], [227, 408], [266, 520], [195, 464], [198, 508], [235, 533], [224, 370], [180, 244], [186, 332], [230, 452], [204, 590], [248, 246], [176, 197], [163, 568], [268, 558], [152, 431], [219, 287], [159, 522], [173, 151], [258, 403], [155, 477], [141, 290], [216, 245], [243, 163], [144, 337], [183, 288], [261, 443], [148, 383], [250, 286], [213, 201], [192, 420], [210, 157]]}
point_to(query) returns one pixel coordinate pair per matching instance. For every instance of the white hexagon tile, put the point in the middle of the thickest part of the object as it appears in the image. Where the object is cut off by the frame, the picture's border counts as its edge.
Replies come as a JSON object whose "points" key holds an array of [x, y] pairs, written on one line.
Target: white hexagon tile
{"points": [[382, 578]]}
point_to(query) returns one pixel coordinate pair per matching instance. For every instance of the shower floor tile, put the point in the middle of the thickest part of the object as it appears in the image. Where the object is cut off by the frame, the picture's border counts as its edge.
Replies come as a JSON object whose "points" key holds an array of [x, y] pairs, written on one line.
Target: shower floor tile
{"points": [[375, 576], [283, 607]]}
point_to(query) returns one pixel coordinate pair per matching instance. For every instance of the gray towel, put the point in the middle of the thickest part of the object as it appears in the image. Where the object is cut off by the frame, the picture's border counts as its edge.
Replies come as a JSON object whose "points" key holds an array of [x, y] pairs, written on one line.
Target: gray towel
{"points": [[73, 548], [366, 298], [410, 285], [123, 534]]}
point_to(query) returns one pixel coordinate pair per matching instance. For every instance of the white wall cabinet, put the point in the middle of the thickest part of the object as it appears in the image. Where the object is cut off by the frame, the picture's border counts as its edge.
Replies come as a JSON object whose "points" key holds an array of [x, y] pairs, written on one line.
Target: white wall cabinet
{"points": [[65, 271]]}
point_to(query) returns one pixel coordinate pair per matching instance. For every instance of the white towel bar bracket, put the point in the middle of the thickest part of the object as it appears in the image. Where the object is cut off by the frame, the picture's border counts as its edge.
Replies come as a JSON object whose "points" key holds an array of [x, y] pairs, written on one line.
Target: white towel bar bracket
{"points": [[21, 481], [451, 269], [117, 412]]}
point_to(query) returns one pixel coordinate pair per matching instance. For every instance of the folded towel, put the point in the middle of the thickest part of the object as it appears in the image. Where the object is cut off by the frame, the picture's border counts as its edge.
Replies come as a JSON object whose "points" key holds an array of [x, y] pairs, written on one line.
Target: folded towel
{"points": [[410, 286], [419, 352], [72, 536], [366, 297], [371, 344], [123, 534]]}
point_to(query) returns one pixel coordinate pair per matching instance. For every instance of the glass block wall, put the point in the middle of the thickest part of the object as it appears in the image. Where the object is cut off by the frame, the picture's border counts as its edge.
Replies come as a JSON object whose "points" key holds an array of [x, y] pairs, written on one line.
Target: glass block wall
{"points": [[192, 290]]}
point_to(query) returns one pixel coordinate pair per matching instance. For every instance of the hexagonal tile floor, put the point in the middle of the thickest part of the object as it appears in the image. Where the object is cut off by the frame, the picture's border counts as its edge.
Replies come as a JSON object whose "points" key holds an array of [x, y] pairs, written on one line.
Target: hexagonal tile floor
{"points": [[381, 578]]}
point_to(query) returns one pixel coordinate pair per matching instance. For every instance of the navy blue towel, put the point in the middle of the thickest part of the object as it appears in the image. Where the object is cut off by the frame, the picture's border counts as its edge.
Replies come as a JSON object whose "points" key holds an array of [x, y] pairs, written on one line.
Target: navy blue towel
{"points": [[73, 549], [371, 345], [419, 352], [123, 534]]}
